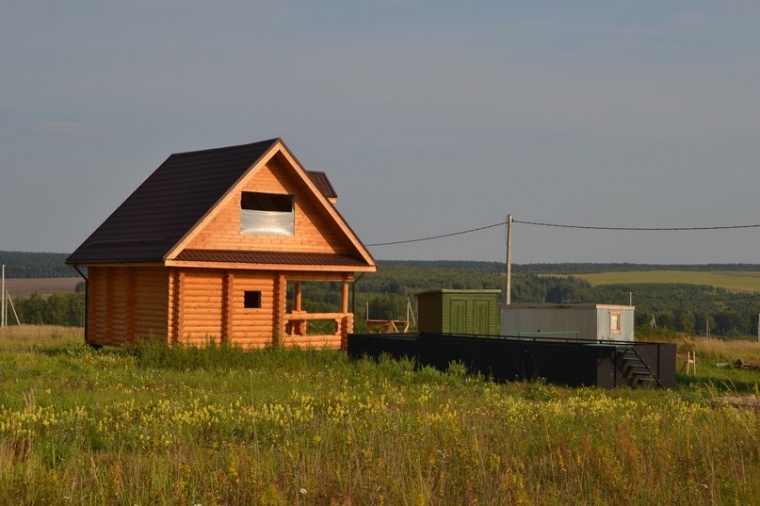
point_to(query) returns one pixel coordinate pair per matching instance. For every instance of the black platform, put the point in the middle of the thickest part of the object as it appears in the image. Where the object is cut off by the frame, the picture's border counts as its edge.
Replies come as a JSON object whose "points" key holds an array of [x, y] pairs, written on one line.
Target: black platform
{"points": [[605, 364]]}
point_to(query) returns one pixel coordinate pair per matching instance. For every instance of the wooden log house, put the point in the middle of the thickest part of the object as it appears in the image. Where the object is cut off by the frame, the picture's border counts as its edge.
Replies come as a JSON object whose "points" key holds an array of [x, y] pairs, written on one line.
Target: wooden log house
{"points": [[207, 246]]}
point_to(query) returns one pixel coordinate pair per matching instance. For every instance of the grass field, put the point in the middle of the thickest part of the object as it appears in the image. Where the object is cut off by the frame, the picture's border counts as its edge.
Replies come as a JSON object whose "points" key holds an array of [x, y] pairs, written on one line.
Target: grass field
{"points": [[730, 280], [217, 425]]}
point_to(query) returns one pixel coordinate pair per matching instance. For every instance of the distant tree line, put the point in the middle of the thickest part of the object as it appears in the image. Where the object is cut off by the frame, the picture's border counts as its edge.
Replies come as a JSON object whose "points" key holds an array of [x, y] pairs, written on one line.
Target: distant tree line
{"points": [[693, 309], [36, 265], [568, 268], [680, 307], [66, 309], [581, 268]]}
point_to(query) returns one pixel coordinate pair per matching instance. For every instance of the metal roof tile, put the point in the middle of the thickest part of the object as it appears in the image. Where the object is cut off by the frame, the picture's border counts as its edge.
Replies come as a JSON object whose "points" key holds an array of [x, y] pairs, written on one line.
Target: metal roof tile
{"points": [[269, 258], [168, 204], [323, 184], [155, 217]]}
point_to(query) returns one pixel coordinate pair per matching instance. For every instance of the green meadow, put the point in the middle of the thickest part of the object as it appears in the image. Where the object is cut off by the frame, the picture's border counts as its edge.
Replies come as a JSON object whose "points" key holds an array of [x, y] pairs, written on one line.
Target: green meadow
{"points": [[740, 281], [221, 426]]}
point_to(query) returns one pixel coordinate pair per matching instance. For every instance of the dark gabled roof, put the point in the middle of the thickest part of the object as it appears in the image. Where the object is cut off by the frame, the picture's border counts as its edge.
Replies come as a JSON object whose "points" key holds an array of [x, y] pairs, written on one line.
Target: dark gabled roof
{"points": [[168, 204], [269, 258], [323, 184]]}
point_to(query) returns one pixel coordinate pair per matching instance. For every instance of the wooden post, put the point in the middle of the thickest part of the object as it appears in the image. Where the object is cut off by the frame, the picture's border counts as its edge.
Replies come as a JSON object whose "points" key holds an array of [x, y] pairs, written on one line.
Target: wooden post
{"points": [[691, 362], [298, 327], [171, 306], [180, 302], [2, 296], [297, 303], [344, 297], [280, 307], [228, 309], [347, 326], [509, 260], [176, 314]]}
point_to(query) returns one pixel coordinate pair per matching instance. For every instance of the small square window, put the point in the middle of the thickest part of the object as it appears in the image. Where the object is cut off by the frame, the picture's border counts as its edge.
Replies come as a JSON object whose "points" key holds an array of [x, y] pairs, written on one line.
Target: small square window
{"points": [[252, 300]]}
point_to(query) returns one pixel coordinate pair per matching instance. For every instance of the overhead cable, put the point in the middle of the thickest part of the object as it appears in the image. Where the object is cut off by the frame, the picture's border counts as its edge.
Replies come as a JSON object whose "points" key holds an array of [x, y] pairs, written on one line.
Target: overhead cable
{"points": [[638, 229], [438, 236], [559, 225]]}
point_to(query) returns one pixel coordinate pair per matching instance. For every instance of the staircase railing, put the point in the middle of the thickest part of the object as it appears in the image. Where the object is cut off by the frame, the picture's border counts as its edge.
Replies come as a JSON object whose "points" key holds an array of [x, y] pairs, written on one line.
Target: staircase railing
{"points": [[624, 357]]}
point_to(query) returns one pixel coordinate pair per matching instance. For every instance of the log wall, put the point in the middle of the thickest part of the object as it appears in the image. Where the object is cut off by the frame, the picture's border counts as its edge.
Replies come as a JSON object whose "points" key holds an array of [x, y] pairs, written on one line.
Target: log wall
{"points": [[125, 303], [150, 303], [195, 305], [252, 327], [210, 305], [96, 307], [200, 306]]}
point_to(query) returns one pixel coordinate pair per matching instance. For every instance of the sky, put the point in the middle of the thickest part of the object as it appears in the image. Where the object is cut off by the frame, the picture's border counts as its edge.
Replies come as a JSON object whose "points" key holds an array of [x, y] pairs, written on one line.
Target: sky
{"points": [[429, 117]]}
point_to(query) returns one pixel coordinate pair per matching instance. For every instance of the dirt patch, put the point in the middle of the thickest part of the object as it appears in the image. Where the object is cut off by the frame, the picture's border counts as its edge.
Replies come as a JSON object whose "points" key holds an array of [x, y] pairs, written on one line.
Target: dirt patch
{"points": [[743, 364], [24, 287], [738, 401]]}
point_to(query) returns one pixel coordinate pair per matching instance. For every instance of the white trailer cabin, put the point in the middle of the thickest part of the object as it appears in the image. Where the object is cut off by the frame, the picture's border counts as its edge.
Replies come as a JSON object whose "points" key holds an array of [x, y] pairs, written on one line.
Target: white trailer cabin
{"points": [[568, 322]]}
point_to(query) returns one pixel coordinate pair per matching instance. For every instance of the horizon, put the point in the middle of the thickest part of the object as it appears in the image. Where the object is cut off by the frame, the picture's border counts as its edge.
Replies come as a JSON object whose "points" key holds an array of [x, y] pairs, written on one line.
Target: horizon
{"points": [[478, 261]]}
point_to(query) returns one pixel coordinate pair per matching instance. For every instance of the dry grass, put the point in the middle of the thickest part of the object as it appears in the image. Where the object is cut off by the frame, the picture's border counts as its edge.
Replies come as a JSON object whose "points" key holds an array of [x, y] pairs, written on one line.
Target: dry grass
{"points": [[723, 350], [739, 281], [25, 337]]}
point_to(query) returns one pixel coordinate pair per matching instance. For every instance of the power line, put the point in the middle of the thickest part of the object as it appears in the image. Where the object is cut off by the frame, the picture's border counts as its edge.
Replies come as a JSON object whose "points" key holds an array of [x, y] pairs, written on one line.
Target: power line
{"points": [[438, 236], [559, 225], [637, 229]]}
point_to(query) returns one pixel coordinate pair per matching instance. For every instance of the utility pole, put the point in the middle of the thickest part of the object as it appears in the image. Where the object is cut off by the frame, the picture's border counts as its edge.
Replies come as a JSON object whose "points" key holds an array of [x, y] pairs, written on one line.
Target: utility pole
{"points": [[2, 304], [509, 260]]}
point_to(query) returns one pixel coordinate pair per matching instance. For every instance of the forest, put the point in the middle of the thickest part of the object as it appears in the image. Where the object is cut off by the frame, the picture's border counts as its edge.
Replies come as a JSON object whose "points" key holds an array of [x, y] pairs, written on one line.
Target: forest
{"points": [[660, 307], [22, 264], [388, 293]]}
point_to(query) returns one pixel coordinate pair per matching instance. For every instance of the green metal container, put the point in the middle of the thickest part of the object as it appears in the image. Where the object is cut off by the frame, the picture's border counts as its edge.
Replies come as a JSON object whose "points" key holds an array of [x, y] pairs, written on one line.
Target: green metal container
{"points": [[467, 312]]}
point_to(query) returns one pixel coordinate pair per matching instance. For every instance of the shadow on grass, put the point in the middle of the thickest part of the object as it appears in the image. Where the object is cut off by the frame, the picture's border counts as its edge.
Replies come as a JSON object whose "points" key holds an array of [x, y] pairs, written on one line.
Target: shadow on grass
{"points": [[79, 350], [724, 381]]}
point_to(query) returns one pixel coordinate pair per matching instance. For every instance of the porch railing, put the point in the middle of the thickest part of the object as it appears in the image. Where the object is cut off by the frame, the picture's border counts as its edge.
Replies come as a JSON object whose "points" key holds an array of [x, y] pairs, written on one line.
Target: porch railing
{"points": [[296, 329]]}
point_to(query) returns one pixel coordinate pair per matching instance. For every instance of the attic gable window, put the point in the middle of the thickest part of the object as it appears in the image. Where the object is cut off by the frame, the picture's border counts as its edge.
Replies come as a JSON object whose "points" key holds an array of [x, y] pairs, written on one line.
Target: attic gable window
{"points": [[267, 214]]}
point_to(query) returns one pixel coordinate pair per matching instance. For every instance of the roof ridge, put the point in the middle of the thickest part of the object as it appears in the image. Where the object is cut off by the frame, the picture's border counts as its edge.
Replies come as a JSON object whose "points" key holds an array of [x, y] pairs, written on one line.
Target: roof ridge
{"points": [[223, 148]]}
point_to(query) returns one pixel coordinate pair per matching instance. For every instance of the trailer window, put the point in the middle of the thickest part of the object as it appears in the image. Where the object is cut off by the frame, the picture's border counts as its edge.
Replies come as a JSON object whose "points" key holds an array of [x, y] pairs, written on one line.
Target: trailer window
{"points": [[616, 323]]}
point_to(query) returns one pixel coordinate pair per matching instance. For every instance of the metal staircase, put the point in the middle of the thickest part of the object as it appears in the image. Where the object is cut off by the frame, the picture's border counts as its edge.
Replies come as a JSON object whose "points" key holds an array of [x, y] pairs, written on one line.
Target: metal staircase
{"points": [[634, 369]]}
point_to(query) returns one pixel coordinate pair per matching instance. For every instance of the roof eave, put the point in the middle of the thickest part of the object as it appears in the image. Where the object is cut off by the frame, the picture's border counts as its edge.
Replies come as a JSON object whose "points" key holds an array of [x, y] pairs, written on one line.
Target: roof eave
{"points": [[117, 263], [270, 267]]}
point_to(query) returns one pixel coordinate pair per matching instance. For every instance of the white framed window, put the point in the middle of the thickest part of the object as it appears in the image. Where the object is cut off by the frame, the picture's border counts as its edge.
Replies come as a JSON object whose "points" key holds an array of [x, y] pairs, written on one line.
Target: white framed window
{"points": [[616, 323], [267, 214]]}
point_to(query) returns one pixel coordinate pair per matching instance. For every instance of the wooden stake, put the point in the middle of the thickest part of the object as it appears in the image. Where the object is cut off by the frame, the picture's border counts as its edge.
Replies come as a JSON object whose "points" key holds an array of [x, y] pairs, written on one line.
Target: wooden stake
{"points": [[2, 305], [509, 260]]}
